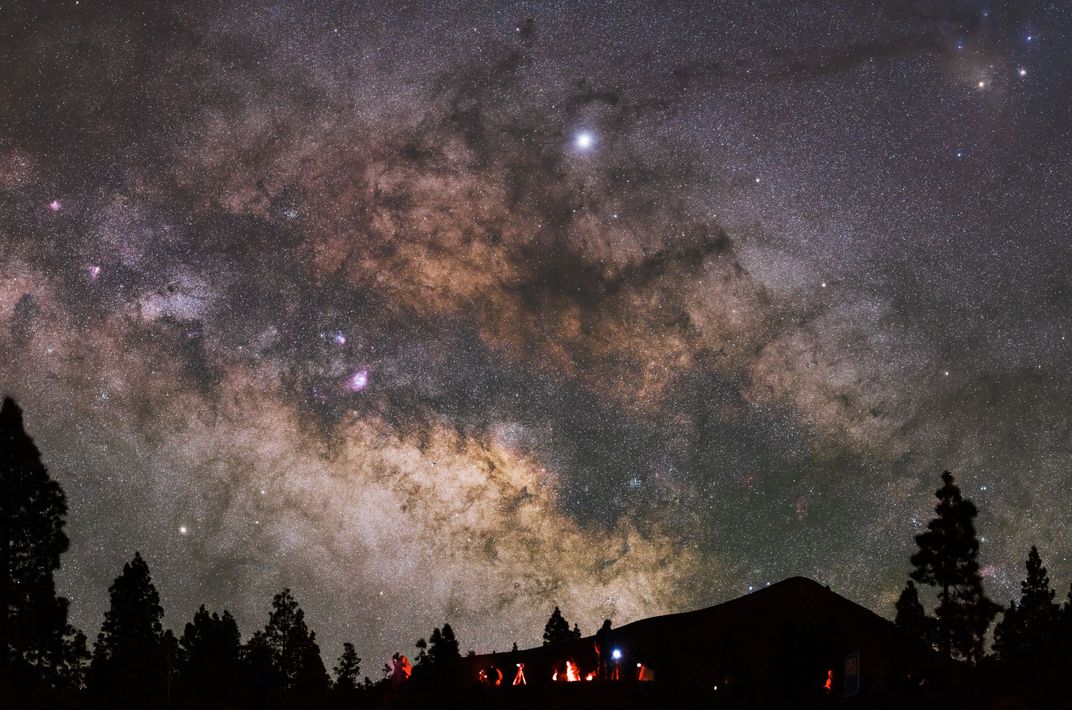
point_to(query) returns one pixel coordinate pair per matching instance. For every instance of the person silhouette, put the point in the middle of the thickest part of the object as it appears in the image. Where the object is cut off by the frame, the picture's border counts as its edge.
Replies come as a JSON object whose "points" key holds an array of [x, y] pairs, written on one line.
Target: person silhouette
{"points": [[604, 642]]}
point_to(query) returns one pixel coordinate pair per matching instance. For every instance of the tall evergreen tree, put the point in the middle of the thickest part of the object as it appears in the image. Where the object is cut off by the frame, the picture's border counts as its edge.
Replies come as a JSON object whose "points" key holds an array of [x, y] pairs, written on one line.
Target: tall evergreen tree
{"points": [[35, 640], [295, 653], [209, 653], [911, 618], [557, 630], [1027, 633], [130, 658], [948, 560], [348, 672], [443, 646], [259, 678], [1062, 649], [422, 652]]}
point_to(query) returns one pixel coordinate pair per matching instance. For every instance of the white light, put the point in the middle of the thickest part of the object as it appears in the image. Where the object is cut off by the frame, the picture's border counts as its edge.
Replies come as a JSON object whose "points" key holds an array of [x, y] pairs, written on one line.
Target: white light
{"points": [[183, 530], [1022, 72], [616, 654], [584, 140]]}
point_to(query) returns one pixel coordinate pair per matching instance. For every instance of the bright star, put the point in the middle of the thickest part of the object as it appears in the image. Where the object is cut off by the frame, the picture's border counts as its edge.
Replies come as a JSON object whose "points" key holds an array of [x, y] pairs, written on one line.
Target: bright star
{"points": [[183, 530], [584, 140], [1021, 71], [55, 205]]}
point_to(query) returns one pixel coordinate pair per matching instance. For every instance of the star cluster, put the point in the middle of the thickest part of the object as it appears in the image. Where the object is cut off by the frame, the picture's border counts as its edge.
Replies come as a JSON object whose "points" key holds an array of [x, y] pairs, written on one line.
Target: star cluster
{"points": [[449, 313]]}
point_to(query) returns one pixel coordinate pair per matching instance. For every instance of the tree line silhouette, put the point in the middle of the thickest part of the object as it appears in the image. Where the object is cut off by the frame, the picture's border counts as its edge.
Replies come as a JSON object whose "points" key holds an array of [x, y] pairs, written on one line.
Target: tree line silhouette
{"points": [[135, 661], [942, 611], [1032, 643]]}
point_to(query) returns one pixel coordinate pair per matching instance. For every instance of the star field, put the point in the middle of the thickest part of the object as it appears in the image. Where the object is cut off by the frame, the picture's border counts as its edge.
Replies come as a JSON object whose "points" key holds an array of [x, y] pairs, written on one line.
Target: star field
{"points": [[448, 313]]}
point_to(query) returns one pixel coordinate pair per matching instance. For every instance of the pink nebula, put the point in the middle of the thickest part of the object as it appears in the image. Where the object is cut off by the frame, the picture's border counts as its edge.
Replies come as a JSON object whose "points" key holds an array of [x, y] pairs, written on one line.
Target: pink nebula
{"points": [[358, 381]]}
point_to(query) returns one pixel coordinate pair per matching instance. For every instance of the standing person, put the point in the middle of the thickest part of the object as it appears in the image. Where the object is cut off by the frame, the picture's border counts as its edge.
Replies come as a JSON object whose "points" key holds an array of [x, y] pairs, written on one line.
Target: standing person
{"points": [[603, 650]]}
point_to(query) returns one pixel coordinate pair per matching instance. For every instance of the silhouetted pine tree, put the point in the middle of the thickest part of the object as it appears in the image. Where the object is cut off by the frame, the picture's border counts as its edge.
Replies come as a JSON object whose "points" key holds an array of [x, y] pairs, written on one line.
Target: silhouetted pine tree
{"points": [[37, 647], [421, 659], [72, 664], [259, 678], [443, 646], [1063, 637], [911, 617], [347, 673], [557, 630], [130, 659], [947, 560], [209, 651], [295, 653], [1026, 635], [434, 640]]}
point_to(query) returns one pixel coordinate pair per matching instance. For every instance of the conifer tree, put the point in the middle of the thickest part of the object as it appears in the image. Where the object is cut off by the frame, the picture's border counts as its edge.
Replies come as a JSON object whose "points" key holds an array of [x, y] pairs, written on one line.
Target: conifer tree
{"points": [[348, 671], [557, 630], [1062, 647], [130, 656], [434, 641], [209, 652], [260, 679], [295, 653], [421, 658], [443, 646], [576, 633], [1028, 630], [911, 618], [947, 560], [72, 665], [35, 639]]}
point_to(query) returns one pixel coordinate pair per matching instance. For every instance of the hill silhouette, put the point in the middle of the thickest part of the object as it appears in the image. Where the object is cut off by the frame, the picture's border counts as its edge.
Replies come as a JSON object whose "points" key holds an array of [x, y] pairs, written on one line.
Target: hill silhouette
{"points": [[794, 642]]}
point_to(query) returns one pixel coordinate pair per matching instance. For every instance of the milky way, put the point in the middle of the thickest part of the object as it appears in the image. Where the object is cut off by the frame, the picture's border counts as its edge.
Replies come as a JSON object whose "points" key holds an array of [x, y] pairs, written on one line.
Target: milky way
{"points": [[442, 313]]}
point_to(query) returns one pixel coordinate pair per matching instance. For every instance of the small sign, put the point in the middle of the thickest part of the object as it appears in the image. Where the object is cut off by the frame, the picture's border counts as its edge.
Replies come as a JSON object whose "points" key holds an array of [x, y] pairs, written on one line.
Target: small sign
{"points": [[852, 674]]}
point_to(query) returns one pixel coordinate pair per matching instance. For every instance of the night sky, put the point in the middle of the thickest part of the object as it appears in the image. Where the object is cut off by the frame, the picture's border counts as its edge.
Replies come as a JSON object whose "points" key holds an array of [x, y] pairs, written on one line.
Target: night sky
{"points": [[444, 312]]}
